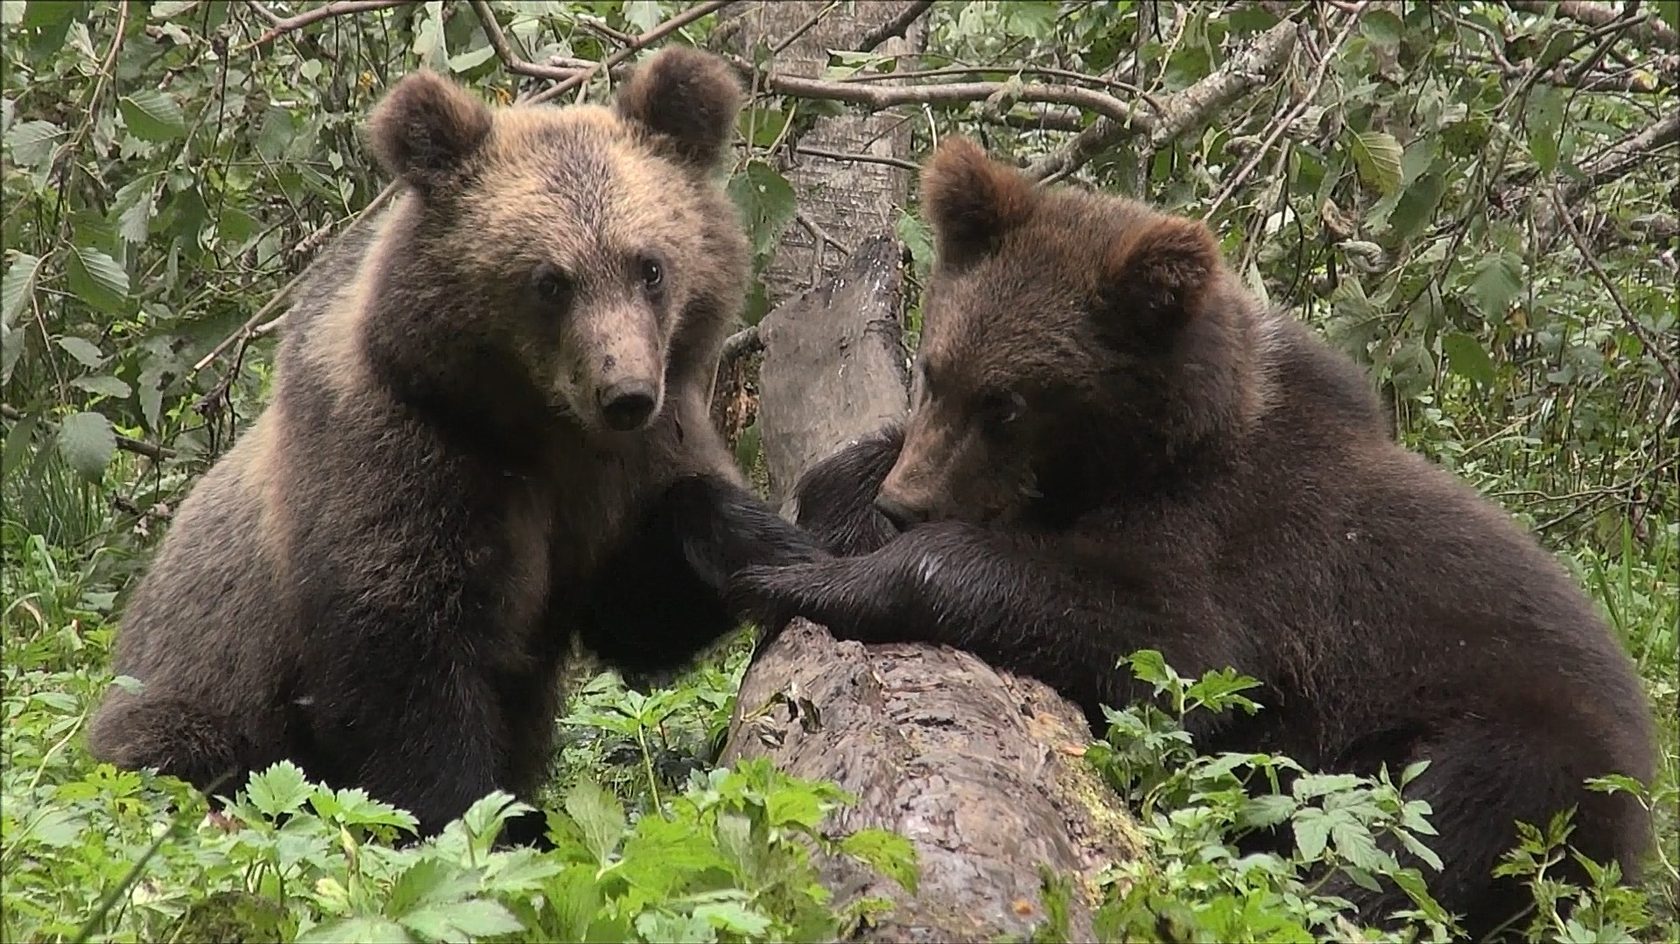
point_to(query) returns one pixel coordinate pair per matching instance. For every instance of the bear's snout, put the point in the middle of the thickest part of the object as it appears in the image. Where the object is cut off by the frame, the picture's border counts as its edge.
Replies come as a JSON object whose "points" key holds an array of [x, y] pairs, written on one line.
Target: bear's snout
{"points": [[628, 404]]}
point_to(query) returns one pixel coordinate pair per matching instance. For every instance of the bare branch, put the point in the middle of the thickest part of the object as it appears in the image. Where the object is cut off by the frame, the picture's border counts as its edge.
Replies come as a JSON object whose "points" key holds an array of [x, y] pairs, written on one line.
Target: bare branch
{"points": [[504, 50], [280, 25], [893, 27], [1182, 111], [879, 97], [1651, 31], [139, 447], [858, 158]]}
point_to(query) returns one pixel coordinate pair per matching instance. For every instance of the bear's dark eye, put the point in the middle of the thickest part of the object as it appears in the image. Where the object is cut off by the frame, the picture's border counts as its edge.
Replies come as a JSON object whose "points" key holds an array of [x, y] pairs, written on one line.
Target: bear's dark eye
{"points": [[552, 284], [1001, 407], [652, 274]]}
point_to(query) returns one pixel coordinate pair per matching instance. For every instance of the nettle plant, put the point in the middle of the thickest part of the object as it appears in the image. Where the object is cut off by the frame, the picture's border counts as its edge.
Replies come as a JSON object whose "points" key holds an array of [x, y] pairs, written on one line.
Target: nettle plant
{"points": [[1205, 881]]}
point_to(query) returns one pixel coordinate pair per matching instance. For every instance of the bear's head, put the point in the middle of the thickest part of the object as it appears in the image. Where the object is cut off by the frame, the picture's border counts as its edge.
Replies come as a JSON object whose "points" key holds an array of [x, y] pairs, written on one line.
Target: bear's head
{"points": [[563, 263], [1073, 344]]}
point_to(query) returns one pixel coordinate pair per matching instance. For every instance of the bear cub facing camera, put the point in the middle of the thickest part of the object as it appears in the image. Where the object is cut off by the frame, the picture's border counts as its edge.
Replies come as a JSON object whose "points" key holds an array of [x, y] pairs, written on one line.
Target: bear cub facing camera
{"points": [[489, 435], [1112, 447]]}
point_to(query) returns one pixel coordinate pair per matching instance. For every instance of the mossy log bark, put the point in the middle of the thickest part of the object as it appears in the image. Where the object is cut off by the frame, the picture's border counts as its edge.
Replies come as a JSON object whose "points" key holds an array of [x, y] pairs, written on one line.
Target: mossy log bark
{"points": [[980, 769]]}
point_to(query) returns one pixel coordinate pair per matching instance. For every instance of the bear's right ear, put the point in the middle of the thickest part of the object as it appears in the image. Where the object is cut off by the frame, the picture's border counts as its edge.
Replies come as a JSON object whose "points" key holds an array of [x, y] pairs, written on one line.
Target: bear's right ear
{"points": [[1153, 276], [688, 96], [972, 201], [426, 127]]}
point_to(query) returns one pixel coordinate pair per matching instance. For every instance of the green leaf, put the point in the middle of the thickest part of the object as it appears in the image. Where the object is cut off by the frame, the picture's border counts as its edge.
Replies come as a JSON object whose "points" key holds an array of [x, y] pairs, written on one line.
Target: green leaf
{"points": [[600, 817], [766, 201], [1264, 811], [11, 12], [1416, 208], [11, 348], [103, 384], [83, 350], [18, 440], [733, 916], [1377, 155], [33, 141], [430, 881], [1467, 358], [153, 115], [151, 397], [887, 852], [133, 206], [88, 443], [1312, 833], [360, 930], [279, 789], [167, 9], [97, 279], [1497, 282], [1382, 27], [462, 920], [1546, 105], [18, 286]]}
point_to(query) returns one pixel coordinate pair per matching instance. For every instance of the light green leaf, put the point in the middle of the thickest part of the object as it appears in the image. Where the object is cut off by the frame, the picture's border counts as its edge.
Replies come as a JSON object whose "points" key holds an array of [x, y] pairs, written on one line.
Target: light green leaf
{"points": [[168, 9], [600, 817], [133, 205], [153, 115], [359, 930], [1377, 155], [104, 385], [32, 142], [1546, 106], [83, 350], [88, 443], [1382, 27], [734, 917], [766, 201], [1497, 282], [887, 852], [11, 12], [151, 397], [471, 59], [1467, 358], [96, 278], [1312, 833], [11, 348], [18, 285], [279, 789]]}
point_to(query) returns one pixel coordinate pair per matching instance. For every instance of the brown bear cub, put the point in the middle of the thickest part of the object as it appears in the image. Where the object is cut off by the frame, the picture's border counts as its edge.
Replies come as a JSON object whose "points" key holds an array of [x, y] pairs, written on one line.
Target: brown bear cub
{"points": [[489, 435], [1113, 447]]}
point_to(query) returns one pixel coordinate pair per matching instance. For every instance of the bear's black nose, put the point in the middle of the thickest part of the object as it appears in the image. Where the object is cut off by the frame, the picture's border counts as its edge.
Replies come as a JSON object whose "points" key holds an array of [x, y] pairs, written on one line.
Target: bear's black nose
{"points": [[901, 515], [626, 406]]}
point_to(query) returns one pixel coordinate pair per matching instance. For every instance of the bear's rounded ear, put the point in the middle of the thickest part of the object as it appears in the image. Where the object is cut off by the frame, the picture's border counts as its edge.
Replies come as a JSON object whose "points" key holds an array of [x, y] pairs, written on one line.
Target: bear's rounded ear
{"points": [[1153, 276], [972, 201], [425, 127], [688, 96]]}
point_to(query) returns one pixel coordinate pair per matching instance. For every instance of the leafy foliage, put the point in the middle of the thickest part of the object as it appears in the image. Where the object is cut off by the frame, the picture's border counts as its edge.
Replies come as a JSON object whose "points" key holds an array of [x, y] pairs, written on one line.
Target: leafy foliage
{"points": [[169, 166]]}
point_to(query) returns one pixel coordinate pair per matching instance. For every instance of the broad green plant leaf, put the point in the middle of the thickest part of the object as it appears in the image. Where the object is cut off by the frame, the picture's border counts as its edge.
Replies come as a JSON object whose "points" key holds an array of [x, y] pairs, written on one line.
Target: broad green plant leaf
{"points": [[87, 443]]}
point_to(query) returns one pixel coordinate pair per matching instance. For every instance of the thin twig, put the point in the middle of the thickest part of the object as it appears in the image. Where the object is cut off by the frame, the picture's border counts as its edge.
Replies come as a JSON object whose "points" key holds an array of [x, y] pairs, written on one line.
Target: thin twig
{"points": [[280, 25], [1639, 330], [1282, 123], [857, 158], [659, 32]]}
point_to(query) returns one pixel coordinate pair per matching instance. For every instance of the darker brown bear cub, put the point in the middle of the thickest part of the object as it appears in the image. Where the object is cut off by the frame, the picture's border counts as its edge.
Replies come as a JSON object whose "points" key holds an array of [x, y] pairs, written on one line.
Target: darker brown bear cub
{"points": [[1113, 447], [489, 435]]}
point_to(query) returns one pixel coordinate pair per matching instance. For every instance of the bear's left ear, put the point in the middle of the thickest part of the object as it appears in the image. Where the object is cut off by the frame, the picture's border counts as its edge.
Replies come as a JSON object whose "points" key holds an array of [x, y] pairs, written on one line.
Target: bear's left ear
{"points": [[426, 127], [972, 201], [1153, 276], [690, 97]]}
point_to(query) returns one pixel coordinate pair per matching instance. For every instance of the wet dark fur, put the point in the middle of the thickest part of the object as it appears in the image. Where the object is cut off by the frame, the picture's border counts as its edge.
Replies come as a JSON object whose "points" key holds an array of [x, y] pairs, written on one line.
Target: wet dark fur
{"points": [[381, 579], [1194, 475]]}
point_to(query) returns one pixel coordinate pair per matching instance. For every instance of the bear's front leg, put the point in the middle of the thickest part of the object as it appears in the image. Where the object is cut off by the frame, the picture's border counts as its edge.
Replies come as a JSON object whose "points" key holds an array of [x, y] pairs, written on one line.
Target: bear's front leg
{"points": [[1042, 606]]}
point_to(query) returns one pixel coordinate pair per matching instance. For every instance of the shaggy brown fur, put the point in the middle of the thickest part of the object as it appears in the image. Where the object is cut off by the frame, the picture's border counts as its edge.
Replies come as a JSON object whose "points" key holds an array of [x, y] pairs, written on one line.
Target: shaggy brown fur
{"points": [[489, 434], [1114, 448]]}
